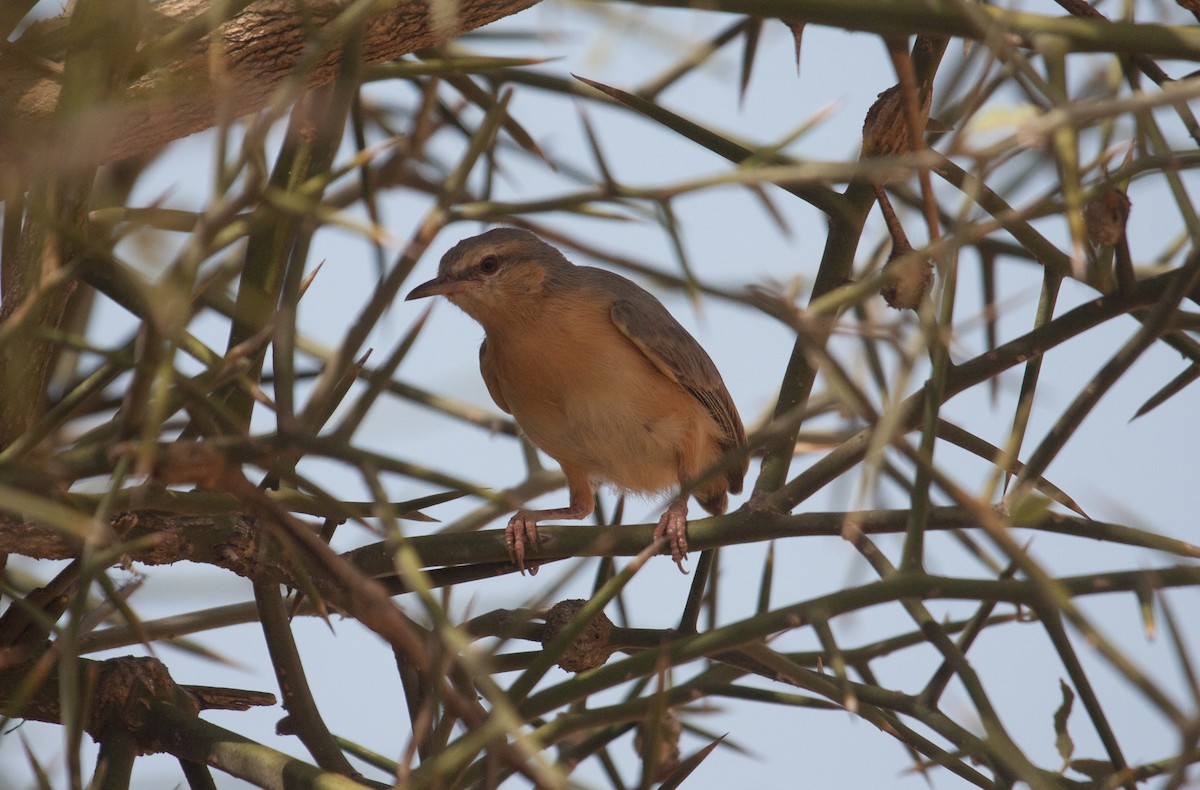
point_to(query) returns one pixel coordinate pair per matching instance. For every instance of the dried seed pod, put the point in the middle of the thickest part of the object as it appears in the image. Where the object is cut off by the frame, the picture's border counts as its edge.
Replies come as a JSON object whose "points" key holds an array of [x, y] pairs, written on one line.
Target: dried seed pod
{"points": [[885, 129], [590, 649], [908, 279], [1105, 216], [669, 730]]}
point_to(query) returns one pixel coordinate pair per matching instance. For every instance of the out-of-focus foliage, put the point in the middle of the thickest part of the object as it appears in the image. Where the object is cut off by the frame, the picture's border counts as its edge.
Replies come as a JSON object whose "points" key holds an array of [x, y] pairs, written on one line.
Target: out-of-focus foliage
{"points": [[166, 396]]}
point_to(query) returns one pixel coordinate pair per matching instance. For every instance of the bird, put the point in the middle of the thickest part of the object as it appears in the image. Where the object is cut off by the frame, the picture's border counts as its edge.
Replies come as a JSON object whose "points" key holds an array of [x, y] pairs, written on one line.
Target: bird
{"points": [[599, 376]]}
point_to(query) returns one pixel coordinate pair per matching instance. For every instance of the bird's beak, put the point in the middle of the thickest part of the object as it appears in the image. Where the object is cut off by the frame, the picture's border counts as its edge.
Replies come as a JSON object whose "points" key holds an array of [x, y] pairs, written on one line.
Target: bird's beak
{"points": [[440, 286]]}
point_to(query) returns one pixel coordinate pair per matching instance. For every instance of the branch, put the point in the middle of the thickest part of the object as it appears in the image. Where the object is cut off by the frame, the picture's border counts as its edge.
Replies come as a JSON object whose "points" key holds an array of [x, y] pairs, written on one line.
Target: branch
{"points": [[969, 21], [200, 74], [121, 692], [137, 698], [231, 542]]}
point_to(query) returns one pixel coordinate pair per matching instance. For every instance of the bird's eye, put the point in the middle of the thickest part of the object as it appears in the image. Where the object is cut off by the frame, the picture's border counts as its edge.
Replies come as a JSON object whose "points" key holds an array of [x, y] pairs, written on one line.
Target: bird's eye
{"points": [[489, 265]]}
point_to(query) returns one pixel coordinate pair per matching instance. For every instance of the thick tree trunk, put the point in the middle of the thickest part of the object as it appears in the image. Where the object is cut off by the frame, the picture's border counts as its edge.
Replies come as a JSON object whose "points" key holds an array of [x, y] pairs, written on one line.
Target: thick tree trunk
{"points": [[233, 71]]}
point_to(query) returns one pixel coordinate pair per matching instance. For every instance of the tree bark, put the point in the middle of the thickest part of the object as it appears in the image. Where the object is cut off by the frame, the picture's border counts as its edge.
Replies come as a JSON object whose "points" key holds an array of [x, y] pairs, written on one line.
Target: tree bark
{"points": [[233, 71]]}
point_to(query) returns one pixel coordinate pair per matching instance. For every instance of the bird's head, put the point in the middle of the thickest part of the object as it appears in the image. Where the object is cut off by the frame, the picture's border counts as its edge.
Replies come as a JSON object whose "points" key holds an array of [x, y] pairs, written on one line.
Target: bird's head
{"points": [[495, 275]]}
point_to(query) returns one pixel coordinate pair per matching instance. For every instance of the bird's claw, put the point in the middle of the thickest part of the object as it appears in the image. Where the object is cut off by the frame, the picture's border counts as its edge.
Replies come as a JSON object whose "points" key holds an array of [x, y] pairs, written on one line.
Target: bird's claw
{"points": [[521, 528], [673, 525]]}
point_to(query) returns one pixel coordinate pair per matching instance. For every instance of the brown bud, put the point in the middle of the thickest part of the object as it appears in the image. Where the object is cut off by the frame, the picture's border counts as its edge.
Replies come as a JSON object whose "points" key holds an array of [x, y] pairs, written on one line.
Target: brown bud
{"points": [[590, 649], [1105, 216], [907, 279], [669, 730], [1189, 5], [885, 130], [126, 689]]}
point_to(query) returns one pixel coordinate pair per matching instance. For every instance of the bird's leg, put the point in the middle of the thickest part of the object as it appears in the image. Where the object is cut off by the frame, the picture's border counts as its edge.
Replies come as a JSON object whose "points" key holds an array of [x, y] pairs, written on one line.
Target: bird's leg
{"points": [[673, 525], [522, 527]]}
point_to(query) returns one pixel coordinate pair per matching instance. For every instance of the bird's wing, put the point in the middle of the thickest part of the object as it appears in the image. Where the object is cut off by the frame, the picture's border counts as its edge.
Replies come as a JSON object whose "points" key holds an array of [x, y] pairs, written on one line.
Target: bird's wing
{"points": [[678, 356], [487, 366]]}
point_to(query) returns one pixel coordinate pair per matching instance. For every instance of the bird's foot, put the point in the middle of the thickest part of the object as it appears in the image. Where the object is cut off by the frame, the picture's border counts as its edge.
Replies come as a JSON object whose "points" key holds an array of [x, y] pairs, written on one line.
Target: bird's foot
{"points": [[673, 525], [522, 528]]}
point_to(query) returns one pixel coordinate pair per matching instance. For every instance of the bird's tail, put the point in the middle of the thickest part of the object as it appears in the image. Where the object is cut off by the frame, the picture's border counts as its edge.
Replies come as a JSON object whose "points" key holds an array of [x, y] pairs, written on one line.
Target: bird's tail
{"points": [[715, 501]]}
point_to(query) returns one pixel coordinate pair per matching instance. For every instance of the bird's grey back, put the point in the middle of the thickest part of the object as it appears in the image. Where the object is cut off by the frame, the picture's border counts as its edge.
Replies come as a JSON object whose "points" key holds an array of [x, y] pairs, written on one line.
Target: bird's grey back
{"points": [[648, 322]]}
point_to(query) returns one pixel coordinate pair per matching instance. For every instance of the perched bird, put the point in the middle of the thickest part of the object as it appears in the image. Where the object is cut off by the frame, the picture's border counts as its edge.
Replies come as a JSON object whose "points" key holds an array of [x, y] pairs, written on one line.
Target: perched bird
{"points": [[598, 375]]}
